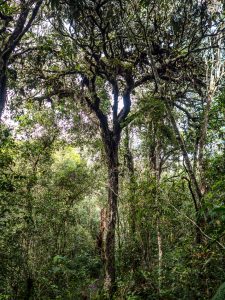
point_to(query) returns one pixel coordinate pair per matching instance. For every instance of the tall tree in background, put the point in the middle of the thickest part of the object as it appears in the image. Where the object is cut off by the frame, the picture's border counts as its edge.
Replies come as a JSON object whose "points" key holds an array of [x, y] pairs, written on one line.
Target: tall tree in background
{"points": [[119, 48]]}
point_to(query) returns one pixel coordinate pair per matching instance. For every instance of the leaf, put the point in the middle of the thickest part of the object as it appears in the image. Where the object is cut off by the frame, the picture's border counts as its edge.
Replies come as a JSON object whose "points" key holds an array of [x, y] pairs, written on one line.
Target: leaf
{"points": [[219, 209]]}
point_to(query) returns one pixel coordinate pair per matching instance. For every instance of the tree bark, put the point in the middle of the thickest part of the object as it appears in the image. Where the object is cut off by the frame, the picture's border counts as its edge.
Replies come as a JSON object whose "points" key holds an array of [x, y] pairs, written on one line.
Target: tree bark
{"points": [[160, 256], [3, 85], [111, 141], [111, 148]]}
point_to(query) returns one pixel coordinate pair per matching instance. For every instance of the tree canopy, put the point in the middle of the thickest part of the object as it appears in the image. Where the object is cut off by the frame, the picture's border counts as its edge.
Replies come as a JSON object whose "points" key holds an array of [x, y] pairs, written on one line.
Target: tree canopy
{"points": [[112, 149]]}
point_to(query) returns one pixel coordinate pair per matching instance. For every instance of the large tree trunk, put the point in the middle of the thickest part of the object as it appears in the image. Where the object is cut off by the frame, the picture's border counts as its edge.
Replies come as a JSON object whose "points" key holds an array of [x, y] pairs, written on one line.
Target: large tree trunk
{"points": [[3, 82], [111, 141], [111, 147]]}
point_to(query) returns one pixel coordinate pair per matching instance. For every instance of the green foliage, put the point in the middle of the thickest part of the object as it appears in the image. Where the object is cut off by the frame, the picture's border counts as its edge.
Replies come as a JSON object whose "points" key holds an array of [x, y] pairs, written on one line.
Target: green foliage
{"points": [[63, 79], [220, 294], [7, 8]]}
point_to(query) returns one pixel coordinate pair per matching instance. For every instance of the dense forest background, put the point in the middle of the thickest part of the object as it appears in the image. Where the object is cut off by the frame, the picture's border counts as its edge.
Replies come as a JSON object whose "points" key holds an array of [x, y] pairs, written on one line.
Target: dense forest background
{"points": [[112, 150]]}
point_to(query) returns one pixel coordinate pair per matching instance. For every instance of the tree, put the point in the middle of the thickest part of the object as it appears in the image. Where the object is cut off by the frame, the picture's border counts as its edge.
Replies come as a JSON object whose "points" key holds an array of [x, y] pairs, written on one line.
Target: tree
{"points": [[114, 48], [48, 219], [92, 62], [16, 18]]}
